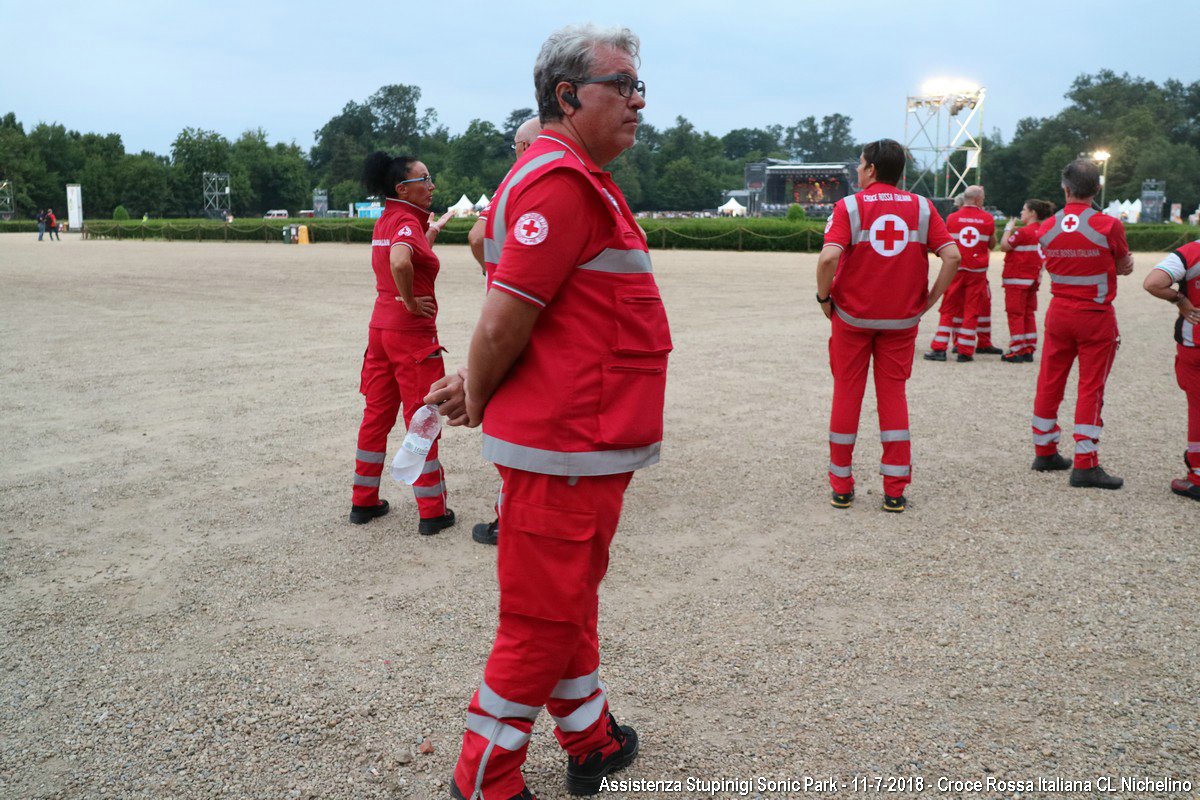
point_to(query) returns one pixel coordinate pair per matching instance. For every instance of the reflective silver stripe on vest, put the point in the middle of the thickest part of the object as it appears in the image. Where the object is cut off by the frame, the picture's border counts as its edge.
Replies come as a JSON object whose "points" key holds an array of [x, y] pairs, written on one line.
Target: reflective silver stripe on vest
{"points": [[577, 688], [625, 262], [1099, 281], [499, 707], [1043, 423], [1192, 272], [1025, 248], [577, 464], [497, 732], [431, 466], [1085, 229], [1017, 281], [894, 436], [1090, 431], [1086, 446], [366, 480], [583, 717], [1187, 332], [497, 213], [841, 472], [430, 491], [878, 324], [922, 220], [842, 438], [895, 470], [855, 219], [369, 456]]}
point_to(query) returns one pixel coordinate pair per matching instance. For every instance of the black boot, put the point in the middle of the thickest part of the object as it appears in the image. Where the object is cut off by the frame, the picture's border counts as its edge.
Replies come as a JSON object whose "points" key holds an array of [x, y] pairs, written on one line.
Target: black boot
{"points": [[486, 532], [1050, 463], [360, 515], [585, 773], [988, 351], [432, 525], [1095, 477], [935, 355]]}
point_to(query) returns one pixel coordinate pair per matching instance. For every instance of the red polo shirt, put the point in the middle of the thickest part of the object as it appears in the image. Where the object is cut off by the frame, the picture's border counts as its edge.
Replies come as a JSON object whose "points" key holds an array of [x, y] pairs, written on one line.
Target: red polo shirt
{"points": [[971, 228], [402, 224]]}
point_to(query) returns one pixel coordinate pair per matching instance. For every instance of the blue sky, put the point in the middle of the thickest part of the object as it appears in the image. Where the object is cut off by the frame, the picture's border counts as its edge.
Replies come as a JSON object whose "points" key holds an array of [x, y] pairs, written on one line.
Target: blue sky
{"points": [[148, 70]]}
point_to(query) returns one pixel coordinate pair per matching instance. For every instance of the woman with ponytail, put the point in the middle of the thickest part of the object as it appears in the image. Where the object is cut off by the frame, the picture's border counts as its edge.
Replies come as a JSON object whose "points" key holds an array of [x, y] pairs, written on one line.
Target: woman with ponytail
{"points": [[403, 355]]}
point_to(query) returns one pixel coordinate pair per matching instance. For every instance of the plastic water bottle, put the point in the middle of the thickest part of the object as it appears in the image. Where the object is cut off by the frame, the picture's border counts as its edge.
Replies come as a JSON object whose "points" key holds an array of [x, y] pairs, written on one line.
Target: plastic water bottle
{"points": [[422, 431]]}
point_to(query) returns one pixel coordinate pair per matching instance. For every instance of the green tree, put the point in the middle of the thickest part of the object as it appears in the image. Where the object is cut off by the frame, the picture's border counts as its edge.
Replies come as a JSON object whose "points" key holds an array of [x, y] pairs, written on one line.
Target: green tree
{"points": [[143, 182], [194, 152]]}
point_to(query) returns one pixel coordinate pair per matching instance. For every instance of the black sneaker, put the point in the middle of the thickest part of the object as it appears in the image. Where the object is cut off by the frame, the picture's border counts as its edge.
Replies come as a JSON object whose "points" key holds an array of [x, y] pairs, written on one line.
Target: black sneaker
{"points": [[960, 358], [486, 532], [585, 773], [360, 515], [457, 795], [935, 355], [988, 351], [1185, 488], [840, 500], [1096, 478], [894, 505], [1014, 358], [432, 525], [1027, 357], [1050, 463]]}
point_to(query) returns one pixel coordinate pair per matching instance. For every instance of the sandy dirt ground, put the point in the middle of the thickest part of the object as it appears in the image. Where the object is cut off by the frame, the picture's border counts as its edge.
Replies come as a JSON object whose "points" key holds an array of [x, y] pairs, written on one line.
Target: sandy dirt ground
{"points": [[186, 611]]}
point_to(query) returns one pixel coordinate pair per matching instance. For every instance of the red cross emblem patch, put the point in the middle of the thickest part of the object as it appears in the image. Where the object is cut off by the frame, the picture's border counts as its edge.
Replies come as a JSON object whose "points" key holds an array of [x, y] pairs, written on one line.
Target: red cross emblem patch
{"points": [[969, 237], [531, 228], [889, 235], [1070, 222]]}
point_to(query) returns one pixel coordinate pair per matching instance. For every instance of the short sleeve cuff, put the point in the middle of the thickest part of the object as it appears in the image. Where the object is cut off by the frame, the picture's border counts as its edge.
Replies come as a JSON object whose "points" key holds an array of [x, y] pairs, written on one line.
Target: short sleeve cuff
{"points": [[403, 244], [520, 294]]}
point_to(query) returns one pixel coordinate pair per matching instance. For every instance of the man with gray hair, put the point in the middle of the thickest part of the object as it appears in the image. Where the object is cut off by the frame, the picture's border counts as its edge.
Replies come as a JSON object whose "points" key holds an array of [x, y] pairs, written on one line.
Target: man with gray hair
{"points": [[567, 374], [1085, 251]]}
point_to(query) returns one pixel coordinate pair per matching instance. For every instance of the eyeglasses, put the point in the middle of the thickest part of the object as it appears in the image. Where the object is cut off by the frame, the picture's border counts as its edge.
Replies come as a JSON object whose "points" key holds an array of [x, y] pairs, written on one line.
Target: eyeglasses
{"points": [[422, 179], [626, 84], [514, 144]]}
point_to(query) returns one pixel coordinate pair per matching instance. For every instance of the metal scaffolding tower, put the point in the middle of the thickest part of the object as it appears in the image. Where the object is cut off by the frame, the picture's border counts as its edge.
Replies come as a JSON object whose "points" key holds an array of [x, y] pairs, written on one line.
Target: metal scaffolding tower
{"points": [[216, 194], [942, 121], [7, 207]]}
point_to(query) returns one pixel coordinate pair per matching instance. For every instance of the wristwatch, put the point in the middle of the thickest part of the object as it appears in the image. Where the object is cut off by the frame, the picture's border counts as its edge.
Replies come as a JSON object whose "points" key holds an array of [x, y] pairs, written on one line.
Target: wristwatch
{"points": [[1179, 298], [826, 300]]}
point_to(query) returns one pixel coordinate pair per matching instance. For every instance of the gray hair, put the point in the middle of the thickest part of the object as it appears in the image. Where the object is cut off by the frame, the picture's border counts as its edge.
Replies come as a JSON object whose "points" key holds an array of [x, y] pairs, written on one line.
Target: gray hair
{"points": [[1081, 178], [958, 200], [567, 54], [973, 195]]}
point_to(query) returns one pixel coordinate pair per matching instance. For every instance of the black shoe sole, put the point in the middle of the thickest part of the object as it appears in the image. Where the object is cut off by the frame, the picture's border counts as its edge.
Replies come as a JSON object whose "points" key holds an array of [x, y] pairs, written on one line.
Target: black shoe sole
{"points": [[1062, 468], [1097, 485], [585, 786], [482, 534], [1186, 493], [929, 357]]}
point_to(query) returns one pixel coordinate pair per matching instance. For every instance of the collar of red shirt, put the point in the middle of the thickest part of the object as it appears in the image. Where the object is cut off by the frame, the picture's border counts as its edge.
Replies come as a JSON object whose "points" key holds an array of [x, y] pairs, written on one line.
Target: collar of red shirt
{"points": [[575, 148], [883, 187], [421, 215]]}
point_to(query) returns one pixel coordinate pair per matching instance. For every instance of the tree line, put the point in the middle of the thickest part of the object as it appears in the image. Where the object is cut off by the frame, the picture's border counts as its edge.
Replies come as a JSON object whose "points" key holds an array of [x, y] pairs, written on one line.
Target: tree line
{"points": [[1152, 131]]}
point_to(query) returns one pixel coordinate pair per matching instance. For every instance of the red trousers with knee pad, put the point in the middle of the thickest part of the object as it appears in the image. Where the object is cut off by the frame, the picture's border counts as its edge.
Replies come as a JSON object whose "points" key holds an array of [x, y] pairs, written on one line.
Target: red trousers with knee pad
{"points": [[1020, 304], [851, 351], [1187, 372], [1093, 338], [553, 552], [398, 369]]}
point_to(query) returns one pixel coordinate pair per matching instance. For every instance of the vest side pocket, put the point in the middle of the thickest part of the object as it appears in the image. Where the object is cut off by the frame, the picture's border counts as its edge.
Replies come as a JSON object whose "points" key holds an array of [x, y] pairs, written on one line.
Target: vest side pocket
{"points": [[631, 404], [641, 320]]}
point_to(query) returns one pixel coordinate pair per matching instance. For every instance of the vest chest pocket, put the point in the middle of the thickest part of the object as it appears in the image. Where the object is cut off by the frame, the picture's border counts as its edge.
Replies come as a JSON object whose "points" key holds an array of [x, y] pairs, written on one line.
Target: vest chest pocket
{"points": [[641, 321]]}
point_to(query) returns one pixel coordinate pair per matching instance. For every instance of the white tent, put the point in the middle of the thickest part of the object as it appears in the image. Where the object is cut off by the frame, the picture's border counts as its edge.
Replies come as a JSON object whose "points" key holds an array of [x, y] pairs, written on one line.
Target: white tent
{"points": [[1135, 210], [464, 207], [482, 202], [732, 208], [1114, 209]]}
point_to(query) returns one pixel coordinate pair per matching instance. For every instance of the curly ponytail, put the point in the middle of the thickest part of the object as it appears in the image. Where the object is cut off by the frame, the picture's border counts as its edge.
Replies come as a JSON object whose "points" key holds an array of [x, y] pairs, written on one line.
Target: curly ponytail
{"points": [[381, 173]]}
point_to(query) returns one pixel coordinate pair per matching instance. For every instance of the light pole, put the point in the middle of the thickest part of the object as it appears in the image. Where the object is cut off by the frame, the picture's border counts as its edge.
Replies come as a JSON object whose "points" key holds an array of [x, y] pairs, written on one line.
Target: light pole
{"points": [[1103, 156]]}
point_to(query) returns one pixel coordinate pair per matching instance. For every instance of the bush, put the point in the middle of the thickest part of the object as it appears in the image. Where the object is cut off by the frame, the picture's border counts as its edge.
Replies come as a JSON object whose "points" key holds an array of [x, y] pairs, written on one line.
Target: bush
{"points": [[119, 213], [796, 212]]}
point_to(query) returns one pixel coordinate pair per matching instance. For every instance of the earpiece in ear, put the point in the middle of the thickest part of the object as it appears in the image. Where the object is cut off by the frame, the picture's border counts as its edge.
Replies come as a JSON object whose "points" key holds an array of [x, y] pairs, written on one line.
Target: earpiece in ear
{"points": [[570, 99]]}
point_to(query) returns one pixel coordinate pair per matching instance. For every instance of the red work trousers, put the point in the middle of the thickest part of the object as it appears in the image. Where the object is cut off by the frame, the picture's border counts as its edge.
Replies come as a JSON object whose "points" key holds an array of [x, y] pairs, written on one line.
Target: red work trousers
{"points": [[1187, 372], [1093, 338], [983, 322], [977, 309], [398, 369], [851, 351], [950, 314], [1020, 304], [553, 552]]}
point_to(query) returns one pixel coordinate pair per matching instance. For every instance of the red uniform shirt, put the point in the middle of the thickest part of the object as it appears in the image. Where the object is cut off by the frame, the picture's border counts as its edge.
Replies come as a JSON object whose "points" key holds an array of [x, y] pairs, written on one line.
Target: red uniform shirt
{"points": [[402, 225], [1082, 247], [586, 395], [972, 228], [1183, 265], [882, 278], [1024, 261]]}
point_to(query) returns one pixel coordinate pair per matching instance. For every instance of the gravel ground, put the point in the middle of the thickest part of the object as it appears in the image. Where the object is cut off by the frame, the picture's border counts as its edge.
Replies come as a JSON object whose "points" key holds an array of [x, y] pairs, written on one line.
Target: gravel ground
{"points": [[187, 613]]}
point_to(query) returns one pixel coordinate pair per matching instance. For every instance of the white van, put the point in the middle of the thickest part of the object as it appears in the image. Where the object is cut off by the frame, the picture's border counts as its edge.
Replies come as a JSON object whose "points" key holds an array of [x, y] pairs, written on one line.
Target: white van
{"points": [[276, 213]]}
